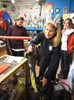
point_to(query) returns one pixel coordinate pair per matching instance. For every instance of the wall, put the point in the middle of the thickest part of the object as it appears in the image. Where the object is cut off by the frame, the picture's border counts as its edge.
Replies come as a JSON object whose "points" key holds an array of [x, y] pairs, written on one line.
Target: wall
{"points": [[30, 9], [69, 4], [72, 5]]}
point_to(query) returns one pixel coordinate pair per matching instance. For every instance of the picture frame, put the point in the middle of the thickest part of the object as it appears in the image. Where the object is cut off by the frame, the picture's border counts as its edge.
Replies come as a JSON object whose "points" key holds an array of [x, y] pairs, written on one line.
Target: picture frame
{"points": [[65, 10]]}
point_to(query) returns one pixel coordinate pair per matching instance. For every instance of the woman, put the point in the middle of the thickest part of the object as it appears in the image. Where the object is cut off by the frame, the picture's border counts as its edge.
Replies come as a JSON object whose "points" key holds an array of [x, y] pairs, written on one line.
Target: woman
{"points": [[50, 47], [17, 46], [65, 55]]}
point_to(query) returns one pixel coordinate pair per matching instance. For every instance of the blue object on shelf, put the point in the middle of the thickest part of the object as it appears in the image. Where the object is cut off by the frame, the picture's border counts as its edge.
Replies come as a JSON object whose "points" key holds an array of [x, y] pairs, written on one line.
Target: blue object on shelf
{"points": [[34, 29], [5, 96]]}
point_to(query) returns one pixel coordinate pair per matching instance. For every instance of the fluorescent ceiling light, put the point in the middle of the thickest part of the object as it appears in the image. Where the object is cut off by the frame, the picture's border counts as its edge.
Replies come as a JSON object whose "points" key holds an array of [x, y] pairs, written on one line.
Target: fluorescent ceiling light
{"points": [[13, 1], [37, 0]]}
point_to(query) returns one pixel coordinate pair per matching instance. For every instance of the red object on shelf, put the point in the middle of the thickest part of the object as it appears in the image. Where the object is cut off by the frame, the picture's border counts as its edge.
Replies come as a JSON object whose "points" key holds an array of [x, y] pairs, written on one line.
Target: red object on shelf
{"points": [[3, 67]]}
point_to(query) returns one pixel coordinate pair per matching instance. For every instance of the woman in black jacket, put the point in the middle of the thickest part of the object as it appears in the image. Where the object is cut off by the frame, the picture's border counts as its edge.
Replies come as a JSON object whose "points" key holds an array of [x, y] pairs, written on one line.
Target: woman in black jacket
{"points": [[50, 49]]}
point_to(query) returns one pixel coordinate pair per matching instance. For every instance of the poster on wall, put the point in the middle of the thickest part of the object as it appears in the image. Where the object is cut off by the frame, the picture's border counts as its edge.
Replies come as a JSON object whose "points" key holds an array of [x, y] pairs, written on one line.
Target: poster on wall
{"points": [[72, 17], [49, 6], [65, 16], [49, 10], [65, 10]]}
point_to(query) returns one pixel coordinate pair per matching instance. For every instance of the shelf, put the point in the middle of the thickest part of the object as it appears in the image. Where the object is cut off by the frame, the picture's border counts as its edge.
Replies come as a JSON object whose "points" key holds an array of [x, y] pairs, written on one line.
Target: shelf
{"points": [[4, 76], [13, 81], [34, 28]]}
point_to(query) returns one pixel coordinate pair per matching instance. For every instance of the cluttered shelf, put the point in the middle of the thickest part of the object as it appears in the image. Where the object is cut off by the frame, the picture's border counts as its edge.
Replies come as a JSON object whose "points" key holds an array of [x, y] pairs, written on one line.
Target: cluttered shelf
{"points": [[10, 62], [14, 78]]}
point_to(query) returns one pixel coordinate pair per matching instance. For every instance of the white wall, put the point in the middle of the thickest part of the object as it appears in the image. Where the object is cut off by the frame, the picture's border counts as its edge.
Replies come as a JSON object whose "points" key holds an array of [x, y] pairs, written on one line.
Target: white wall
{"points": [[28, 7]]}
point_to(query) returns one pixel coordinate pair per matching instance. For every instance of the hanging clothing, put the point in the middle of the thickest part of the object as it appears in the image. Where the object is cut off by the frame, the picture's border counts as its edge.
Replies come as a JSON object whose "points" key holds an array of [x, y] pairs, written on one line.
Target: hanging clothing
{"points": [[7, 19], [1, 12], [2, 27], [2, 23]]}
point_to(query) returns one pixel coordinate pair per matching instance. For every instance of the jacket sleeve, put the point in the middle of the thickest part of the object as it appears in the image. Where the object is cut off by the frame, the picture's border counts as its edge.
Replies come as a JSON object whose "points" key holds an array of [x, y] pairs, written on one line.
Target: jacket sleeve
{"points": [[54, 63], [37, 39], [70, 43], [9, 31]]}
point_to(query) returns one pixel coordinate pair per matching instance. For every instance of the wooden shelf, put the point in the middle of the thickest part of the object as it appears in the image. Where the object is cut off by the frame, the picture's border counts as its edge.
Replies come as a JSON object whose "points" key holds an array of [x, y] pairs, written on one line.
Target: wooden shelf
{"points": [[3, 50], [20, 67]]}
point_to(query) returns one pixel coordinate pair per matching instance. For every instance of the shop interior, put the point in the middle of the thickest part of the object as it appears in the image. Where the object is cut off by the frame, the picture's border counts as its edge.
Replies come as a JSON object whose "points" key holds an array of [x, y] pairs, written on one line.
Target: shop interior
{"points": [[15, 82]]}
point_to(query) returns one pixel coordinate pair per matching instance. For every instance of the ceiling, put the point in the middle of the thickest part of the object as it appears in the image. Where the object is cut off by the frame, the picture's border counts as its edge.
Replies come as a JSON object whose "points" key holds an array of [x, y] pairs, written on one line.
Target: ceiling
{"points": [[9, 1]]}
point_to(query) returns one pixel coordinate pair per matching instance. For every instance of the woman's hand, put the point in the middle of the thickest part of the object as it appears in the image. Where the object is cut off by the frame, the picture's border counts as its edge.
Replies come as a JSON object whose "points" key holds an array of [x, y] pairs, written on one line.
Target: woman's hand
{"points": [[30, 49], [44, 81]]}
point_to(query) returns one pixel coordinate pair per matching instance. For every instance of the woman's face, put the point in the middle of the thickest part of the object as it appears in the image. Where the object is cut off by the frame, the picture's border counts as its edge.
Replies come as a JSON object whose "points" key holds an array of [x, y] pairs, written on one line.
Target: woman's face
{"points": [[66, 24], [19, 23], [49, 32]]}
